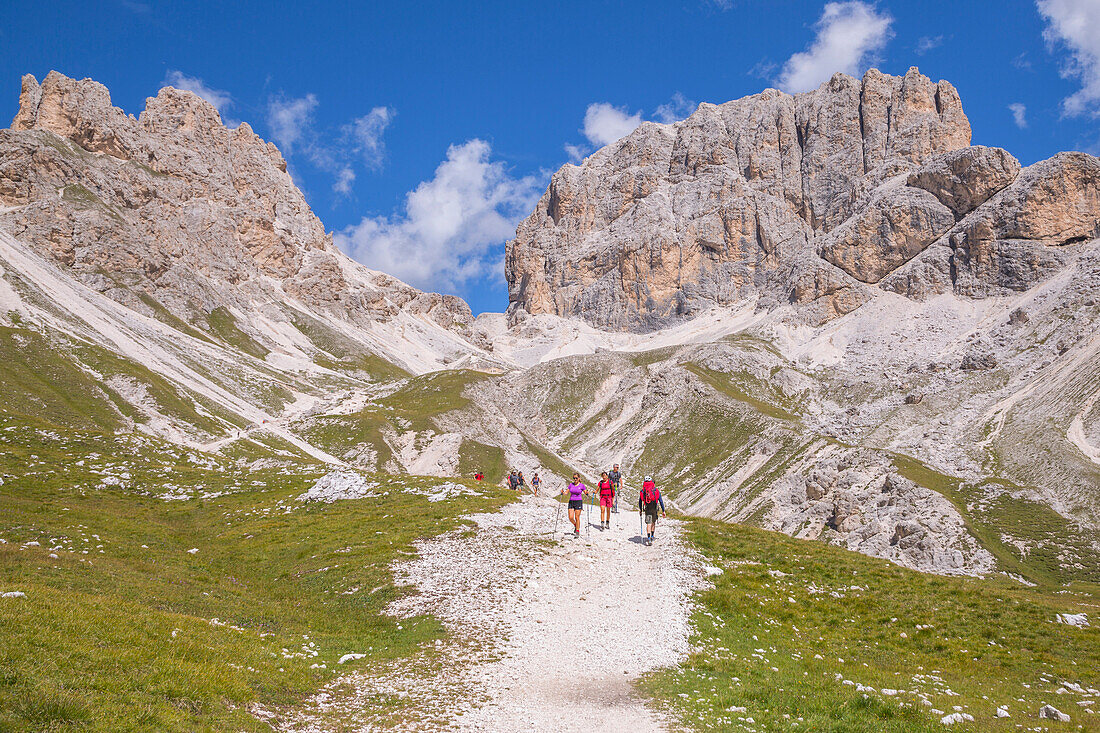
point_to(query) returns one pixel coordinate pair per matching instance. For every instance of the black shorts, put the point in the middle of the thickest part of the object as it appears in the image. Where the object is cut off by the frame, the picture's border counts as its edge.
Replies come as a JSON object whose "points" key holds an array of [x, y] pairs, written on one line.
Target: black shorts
{"points": [[576, 503]]}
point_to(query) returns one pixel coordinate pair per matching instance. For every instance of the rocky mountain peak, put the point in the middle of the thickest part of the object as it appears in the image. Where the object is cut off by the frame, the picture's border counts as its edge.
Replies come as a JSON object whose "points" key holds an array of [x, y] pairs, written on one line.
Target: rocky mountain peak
{"points": [[821, 200], [175, 206]]}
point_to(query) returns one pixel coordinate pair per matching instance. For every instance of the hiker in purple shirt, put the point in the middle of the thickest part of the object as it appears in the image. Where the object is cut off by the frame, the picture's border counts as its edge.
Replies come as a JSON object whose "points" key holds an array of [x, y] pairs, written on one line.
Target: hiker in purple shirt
{"points": [[577, 491]]}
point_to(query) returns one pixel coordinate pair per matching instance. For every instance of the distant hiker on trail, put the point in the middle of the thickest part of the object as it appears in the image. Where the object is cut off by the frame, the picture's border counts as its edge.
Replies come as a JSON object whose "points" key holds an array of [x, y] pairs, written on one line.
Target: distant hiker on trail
{"points": [[577, 491], [536, 482], [617, 480], [479, 476], [513, 481], [522, 483], [648, 500], [607, 498]]}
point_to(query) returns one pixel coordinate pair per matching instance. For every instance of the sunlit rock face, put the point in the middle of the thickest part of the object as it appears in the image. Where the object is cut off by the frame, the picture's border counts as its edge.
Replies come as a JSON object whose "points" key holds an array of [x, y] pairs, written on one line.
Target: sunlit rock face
{"points": [[174, 205], [822, 200]]}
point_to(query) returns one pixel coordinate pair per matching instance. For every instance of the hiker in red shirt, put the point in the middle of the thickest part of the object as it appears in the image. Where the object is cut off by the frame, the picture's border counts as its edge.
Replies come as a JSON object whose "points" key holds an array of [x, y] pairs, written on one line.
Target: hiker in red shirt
{"points": [[479, 476], [607, 498]]}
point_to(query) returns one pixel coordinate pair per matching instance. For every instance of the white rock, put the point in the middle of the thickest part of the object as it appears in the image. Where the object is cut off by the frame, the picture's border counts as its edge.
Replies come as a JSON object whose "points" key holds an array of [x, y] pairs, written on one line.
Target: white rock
{"points": [[336, 485], [350, 658], [1052, 713], [956, 718], [13, 594], [193, 551], [1079, 620]]}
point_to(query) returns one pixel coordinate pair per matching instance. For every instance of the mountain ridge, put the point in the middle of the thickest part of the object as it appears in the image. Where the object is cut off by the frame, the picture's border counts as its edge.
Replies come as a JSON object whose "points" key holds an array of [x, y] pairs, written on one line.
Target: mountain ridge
{"points": [[822, 199]]}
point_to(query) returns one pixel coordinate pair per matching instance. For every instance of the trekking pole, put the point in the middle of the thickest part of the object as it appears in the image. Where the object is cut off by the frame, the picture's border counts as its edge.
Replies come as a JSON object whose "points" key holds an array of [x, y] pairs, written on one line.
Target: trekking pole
{"points": [[557, 513], [588, 531]]}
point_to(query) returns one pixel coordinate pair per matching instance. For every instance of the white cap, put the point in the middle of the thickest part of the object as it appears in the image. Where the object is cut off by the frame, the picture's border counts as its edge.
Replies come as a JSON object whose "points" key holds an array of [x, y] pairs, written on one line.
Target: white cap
{"points": [[648, 478]]}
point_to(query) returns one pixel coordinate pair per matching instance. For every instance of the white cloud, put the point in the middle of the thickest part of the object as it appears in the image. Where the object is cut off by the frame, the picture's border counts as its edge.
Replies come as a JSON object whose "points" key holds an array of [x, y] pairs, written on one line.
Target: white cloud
{"points": [[219, 99], [576, 153], [927, 43], [678, 108], [1076, 25], [848, 35], [763, 69], [604, 123], [1019, 114], [290, 119], [291, 123], [366, 135], [453, 224], [345, 177]]}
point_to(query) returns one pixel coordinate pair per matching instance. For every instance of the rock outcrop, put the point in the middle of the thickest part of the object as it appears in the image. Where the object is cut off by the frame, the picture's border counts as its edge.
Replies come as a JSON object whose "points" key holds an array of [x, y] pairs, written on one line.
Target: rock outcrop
{"points": [[174, 206], [856, 500], [822, 199], [964, 179]]}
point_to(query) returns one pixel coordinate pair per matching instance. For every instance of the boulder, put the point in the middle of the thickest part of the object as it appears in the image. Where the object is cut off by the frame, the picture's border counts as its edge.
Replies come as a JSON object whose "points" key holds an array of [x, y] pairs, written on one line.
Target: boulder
{"points": [[897, 225], [966, 178], [1026, 232]]}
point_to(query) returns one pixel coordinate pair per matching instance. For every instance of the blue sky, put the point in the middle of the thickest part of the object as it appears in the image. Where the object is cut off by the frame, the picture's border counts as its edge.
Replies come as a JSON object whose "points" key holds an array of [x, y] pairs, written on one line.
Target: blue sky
{"points": [[421, 132]]}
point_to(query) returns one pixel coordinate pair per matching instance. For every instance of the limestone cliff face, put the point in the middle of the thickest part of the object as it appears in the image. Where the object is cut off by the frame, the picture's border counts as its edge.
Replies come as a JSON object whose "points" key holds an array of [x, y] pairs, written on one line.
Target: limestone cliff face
{"points": [[819, 199], [174, 205]]}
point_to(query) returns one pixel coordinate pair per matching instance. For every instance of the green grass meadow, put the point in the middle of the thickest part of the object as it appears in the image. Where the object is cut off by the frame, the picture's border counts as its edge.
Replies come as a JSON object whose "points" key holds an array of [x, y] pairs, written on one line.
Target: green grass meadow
{"points": [[122, 628], [798, 635]]}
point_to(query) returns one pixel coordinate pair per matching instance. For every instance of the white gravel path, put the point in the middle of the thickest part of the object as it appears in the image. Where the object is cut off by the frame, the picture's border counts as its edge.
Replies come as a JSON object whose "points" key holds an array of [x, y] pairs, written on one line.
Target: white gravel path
{"points": [[549, 632]]}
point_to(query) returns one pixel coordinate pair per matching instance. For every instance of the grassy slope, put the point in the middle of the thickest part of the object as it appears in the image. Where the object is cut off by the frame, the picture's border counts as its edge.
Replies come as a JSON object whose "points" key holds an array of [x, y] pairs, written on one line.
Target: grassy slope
{"points": [[60, 382], [341, 353], [118, 632], [742, 387], [474, 456], [34, 371], [411, 407], [782, 647], [224, 326]]}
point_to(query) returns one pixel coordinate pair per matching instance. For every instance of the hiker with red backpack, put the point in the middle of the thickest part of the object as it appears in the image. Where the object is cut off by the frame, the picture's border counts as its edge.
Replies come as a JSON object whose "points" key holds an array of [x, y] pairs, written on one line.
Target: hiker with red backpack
{"points": [[607, 498], [649, 499]]}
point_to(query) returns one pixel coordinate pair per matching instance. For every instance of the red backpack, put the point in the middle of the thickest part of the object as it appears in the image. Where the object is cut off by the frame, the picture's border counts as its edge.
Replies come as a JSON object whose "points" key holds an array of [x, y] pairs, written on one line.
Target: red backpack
{"points": [[649, 492]]}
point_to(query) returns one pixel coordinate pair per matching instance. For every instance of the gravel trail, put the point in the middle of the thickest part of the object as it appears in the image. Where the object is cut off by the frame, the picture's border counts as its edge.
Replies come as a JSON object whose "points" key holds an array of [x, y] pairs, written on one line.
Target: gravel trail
{"points": [[548, 632]]}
